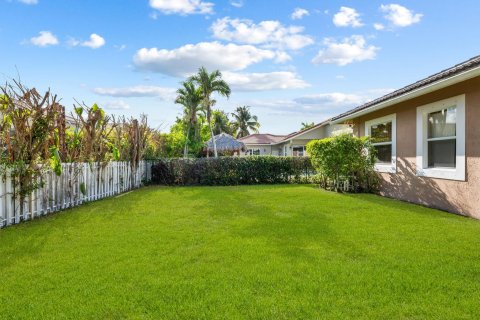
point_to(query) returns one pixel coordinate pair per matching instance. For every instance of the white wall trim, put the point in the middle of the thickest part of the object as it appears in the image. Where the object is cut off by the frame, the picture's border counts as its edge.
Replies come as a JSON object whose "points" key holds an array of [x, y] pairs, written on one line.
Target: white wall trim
{"points": [[382, 167], [457, 173]]}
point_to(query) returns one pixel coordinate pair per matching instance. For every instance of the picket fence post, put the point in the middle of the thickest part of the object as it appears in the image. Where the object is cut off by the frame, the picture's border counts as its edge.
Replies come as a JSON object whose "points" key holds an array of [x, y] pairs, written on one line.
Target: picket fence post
{"points": [[78, 183]]}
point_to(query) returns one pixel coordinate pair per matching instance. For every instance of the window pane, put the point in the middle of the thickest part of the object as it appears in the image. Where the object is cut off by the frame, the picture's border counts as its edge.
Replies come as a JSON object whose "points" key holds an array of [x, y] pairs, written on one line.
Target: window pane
{"points": [[442, 153], [442, 123], [298, 151], [384, 153], [256, 152], [381, 132]]}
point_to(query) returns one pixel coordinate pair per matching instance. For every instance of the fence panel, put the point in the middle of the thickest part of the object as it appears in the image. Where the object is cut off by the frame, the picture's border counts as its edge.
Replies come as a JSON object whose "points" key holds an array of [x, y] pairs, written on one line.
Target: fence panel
{"points": [[78, 183]]}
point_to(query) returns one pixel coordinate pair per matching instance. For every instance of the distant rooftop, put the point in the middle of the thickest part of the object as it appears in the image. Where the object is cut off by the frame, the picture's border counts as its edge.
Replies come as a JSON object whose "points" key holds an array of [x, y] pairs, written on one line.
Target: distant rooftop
{"points": [[262, 138]]}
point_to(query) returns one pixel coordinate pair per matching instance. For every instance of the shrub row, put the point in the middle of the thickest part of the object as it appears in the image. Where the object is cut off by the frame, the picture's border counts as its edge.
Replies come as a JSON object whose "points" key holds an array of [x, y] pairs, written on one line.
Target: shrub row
{"points": [[232, 171]]}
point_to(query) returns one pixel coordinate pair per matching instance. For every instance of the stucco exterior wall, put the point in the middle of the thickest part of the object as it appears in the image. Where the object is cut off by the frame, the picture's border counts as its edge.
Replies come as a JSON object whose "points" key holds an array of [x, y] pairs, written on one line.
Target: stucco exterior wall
{"points": [[462, 197]]}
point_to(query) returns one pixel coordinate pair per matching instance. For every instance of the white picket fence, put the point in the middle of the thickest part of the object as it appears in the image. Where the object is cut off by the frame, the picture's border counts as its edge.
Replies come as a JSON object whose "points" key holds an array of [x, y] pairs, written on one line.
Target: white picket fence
{"points": [[78, 183]]}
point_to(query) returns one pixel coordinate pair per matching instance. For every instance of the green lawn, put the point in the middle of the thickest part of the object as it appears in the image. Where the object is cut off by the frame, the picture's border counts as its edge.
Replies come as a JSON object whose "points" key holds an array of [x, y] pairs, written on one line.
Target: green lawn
{"points": [[254, 252]]}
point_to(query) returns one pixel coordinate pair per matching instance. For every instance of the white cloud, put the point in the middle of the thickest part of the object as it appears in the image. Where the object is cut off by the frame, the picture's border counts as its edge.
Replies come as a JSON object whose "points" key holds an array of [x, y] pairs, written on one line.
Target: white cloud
{"points": [[299, 13], [137, 91], [400, 16], [29, 2], [378, 26], [352, 49], [116, 105], [236, 3], [187, 59], [347, 17], [325, 105], [280, 80], [94, 42], [332, 100], [44, 39], [271, 34], [182, 7]]}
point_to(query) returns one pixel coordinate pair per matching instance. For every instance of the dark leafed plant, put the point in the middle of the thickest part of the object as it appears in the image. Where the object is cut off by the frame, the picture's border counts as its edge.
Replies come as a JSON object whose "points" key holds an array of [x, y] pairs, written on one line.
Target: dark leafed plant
{"points": [[244, 122], [233, 171], [210, 83]]}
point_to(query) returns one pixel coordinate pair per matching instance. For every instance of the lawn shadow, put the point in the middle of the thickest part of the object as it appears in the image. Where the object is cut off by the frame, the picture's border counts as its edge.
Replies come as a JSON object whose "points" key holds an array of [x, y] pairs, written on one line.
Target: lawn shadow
{"points": [[295, 226]]}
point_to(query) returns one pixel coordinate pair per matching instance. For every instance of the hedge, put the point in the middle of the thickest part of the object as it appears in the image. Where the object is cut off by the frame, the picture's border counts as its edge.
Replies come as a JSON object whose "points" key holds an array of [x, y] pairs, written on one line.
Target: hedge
{"points": [[226, 171]]}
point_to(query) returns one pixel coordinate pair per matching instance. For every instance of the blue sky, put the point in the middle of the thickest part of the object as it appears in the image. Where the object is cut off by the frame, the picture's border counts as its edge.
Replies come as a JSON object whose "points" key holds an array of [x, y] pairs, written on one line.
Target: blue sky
{"points": [[291, 61]]}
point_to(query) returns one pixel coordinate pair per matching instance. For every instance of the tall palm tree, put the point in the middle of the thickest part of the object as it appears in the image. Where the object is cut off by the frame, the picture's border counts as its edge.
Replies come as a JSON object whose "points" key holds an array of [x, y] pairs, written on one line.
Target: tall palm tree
{"points": [[210, 83], [221, 123], [189, 97], [244, 121]]}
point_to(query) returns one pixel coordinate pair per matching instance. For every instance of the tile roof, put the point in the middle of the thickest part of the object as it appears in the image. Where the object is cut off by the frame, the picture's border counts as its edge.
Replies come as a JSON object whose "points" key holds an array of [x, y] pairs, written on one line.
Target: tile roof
{"points": [[444, 74], [262, 138]]}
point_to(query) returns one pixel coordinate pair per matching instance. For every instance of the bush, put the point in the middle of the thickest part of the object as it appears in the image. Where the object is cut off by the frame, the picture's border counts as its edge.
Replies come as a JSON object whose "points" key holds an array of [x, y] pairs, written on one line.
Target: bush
{"points": [[232, 171], [345, 163]]}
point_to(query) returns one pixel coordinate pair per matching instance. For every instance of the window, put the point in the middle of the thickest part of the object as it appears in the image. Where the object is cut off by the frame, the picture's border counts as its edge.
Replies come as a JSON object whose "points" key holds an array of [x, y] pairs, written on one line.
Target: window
{"points": [[298, 151], [382, 132], [253, 152], [441, 139]]}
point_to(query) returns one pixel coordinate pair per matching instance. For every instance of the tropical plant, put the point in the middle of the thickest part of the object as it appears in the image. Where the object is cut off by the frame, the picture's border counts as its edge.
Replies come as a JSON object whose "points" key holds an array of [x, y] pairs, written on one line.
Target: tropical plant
{"points": [[210, 83], [221, 123], [190, 98], [244, 121], [307, 125]]}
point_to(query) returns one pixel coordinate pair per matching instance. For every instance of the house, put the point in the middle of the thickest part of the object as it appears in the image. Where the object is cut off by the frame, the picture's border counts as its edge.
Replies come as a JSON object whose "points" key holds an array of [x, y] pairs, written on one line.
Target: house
{"points": [[293, 144], [427, 136]]}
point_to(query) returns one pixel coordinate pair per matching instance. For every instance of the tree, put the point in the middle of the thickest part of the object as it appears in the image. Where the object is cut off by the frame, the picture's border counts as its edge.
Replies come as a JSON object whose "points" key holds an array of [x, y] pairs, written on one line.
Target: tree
{"points": [[307, 125], [190, 97], [244, 121], [210, 83], [221, 123]]}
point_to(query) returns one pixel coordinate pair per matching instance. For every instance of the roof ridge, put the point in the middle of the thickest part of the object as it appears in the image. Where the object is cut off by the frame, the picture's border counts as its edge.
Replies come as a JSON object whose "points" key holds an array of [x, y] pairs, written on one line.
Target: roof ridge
{"points": [[444, 74]]}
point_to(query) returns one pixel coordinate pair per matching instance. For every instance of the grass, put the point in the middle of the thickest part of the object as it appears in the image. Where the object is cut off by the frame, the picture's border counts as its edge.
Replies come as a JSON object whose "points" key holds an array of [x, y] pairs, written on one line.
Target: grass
{"points": [[254, 252]]}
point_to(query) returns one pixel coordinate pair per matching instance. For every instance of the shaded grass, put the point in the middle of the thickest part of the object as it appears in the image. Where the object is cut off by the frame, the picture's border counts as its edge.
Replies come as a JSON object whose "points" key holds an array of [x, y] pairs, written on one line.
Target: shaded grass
{"points": [[263, 252]]}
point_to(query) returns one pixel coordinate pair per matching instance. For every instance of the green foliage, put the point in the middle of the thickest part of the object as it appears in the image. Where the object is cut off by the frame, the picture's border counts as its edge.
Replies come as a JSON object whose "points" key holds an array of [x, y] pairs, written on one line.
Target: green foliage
{"points": [[244, 122], [232, 171], [83, 188], [55, 161], [307, 125], [345, 159]]}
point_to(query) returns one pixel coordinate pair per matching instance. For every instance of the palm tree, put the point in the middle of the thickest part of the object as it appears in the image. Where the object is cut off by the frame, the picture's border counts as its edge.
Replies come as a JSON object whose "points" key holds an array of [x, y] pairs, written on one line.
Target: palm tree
{"points": [[244, 121], [210, 83], [190, 97], [221, 123], [307, 125]]}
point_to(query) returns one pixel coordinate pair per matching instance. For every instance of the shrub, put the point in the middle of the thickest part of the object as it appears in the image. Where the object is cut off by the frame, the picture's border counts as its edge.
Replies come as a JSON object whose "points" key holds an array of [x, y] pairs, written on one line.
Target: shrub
{"points": [[232, 171], [344, 162]]}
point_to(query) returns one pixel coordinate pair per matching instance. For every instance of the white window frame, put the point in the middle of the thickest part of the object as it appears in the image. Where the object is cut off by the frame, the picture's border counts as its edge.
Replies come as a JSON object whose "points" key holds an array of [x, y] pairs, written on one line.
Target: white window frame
{"points": [[304, 151], [384, 167], [457, 173]]}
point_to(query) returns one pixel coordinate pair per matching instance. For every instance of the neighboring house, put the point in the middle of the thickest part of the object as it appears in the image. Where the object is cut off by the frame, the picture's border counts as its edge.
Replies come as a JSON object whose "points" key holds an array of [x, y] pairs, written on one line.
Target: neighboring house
{"points": [[427, 135], [293, 144]]}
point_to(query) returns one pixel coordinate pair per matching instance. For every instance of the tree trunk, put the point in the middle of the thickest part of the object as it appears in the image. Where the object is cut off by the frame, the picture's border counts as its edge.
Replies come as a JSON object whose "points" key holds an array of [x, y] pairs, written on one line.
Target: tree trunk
{"points": [[185, 151], [213, 141]]}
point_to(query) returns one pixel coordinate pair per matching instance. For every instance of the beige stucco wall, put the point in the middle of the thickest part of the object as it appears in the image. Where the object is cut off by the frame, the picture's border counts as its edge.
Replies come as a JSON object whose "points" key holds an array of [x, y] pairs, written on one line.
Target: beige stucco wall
{"points": [[461, 197]]}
